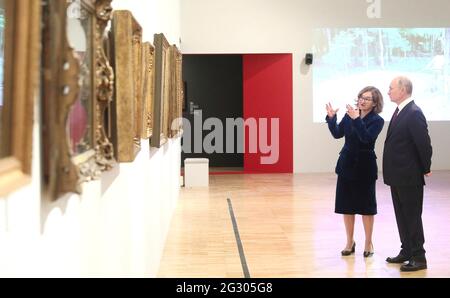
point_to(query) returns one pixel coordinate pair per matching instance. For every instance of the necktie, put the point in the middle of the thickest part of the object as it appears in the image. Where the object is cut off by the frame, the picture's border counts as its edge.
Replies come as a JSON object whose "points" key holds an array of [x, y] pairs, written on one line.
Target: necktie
{"points": [[395, 115]]}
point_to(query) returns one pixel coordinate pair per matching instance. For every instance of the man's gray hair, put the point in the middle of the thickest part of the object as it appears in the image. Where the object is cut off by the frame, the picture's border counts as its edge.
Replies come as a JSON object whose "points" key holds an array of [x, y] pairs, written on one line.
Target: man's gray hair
{"points": [[405, 83]]}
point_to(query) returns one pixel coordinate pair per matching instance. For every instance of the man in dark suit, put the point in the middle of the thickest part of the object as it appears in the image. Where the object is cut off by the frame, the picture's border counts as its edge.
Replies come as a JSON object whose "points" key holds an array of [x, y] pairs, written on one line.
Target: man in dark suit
{"points": [[406, 160]]}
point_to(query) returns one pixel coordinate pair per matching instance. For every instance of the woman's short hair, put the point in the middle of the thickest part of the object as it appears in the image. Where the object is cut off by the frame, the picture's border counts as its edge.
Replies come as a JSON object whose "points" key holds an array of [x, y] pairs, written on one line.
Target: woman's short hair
{"points": [[377, 98]]}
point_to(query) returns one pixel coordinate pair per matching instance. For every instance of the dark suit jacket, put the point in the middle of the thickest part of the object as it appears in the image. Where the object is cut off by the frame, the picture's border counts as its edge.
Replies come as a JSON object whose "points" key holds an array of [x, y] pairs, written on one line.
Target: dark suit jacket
{"points": [[357, 159], [407, 149]]}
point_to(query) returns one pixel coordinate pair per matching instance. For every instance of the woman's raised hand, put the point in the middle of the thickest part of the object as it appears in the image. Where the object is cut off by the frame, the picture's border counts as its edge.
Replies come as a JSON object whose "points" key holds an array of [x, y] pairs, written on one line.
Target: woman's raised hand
{"points": [[352, 112], [330, 111]]}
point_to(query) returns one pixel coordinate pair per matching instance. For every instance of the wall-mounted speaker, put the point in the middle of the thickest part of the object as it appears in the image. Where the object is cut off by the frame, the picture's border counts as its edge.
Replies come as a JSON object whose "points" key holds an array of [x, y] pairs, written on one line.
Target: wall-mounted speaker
{"points": [[309, 59]]}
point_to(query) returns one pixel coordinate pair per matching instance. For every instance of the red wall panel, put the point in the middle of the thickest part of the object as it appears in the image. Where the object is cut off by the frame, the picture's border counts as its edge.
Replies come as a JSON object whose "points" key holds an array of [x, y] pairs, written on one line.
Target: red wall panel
{"points": [[268, 94]]}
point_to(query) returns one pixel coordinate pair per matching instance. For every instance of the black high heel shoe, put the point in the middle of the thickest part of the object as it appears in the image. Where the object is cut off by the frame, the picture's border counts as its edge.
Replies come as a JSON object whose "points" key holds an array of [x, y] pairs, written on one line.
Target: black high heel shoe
{"points": [[349, 252], [368, 253]]}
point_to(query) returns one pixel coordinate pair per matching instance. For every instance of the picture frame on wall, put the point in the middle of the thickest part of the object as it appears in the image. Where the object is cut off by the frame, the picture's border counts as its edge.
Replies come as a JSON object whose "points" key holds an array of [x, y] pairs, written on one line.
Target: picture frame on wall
{"points": [[162, 92], [138, 75], [126, 58], [19, 57], [78, 84], [148, 90], [176, 93]]}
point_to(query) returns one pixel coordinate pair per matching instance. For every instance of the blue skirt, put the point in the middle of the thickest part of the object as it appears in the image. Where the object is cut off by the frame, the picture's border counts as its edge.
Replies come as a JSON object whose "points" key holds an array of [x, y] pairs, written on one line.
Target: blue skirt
{"points": [[355, 197]]}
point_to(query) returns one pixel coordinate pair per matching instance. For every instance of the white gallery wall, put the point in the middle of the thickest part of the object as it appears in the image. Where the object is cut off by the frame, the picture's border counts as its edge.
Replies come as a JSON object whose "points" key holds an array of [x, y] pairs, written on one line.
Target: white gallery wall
{"points": [[286, 26], [118, 226]]}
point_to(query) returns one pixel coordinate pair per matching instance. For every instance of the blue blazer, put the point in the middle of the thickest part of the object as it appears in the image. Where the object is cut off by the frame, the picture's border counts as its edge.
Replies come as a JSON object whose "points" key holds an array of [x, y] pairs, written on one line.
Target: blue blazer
{"points": [[357, 159]]}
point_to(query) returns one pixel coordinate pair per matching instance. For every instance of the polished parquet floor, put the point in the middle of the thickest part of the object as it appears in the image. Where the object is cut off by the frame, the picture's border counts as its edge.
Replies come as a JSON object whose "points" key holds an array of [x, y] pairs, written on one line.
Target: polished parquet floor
{"points": [[288, 228]]}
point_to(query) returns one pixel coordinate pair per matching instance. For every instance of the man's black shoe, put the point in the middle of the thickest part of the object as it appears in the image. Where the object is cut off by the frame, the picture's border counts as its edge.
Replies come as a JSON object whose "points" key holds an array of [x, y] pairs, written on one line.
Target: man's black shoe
{"points": [[400, 259], [413, 265]]}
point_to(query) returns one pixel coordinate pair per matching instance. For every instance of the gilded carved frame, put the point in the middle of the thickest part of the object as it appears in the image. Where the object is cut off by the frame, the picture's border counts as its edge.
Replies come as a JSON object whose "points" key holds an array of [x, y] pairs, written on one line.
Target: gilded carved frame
{"points": [[104, 85], [126, 58], [138, 74], [64, 170], [21, 69], [162, 92], [149, 90], [176, 93]]}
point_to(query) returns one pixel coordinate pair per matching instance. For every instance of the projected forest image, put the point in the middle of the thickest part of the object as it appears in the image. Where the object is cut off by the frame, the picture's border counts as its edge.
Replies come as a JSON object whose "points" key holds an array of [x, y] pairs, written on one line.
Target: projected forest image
{"points": [[348, 59]]}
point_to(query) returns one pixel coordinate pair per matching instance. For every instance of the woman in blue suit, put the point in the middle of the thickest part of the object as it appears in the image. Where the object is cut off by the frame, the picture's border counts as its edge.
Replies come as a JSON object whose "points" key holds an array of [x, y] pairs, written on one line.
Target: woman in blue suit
{"points": [[357, 167]]}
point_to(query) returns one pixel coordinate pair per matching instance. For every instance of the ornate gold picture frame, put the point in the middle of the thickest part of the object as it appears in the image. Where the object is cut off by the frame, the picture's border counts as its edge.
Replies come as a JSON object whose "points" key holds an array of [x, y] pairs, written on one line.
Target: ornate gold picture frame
{"points": [[176, 93], [148, 89], [78, 86], [21, 39], [162, 92], [126, 54]]}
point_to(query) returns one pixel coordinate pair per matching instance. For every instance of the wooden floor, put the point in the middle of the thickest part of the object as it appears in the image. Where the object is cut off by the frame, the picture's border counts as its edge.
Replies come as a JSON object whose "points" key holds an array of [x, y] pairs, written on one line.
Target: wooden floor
{"points": [[288, 229]]}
